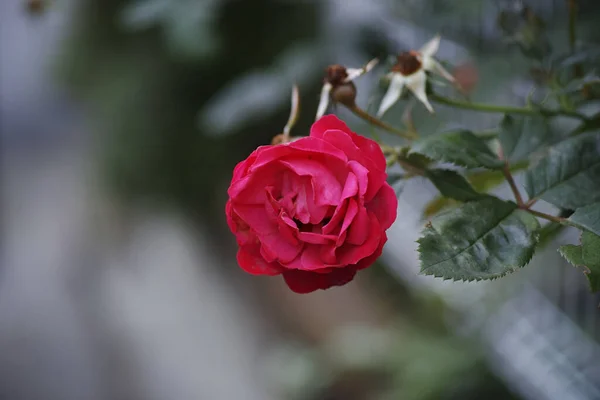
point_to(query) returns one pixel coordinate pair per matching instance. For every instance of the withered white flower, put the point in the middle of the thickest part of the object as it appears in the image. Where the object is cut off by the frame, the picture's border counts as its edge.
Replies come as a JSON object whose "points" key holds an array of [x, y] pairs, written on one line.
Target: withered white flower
{"points": [[340, 78], [411, 70]]}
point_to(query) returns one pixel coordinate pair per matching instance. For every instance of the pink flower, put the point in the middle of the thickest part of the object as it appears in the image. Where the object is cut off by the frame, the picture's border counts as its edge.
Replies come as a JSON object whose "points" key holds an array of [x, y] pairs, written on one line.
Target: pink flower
{"points": [[314, 210]]}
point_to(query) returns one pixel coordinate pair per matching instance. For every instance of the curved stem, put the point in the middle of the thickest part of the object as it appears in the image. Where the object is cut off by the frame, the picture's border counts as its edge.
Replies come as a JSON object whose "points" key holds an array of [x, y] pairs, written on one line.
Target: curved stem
{"points": [[377, 122], [294, 113], [491, 108]]}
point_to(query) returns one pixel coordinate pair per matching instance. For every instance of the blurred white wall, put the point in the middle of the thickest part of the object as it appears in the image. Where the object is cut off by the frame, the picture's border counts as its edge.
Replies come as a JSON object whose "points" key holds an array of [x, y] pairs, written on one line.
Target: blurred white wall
{"points": [[81, 319]]}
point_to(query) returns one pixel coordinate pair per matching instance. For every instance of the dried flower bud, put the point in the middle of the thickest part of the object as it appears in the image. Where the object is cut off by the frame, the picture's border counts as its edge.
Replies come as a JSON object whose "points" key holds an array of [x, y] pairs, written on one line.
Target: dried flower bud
{"points": [[344, 94], [407, 63], [336, 74]]}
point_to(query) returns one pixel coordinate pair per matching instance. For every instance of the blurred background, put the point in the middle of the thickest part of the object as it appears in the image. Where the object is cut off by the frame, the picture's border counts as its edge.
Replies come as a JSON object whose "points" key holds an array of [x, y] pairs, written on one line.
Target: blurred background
{"points": [[120, 123]]}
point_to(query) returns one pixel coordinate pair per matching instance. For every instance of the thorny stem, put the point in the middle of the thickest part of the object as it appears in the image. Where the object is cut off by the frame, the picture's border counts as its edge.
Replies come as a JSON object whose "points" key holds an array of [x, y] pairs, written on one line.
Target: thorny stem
{"points": [[491, 108], [375, 121]]}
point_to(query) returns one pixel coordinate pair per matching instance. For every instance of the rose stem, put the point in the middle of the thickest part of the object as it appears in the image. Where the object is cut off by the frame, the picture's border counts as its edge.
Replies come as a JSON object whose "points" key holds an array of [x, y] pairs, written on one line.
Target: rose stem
{"points": [[371, 119]]}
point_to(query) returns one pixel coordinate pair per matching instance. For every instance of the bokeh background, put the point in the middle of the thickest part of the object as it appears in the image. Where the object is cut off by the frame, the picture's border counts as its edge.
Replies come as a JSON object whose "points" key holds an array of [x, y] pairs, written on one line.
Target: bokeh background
{"points": [[121, 121]]}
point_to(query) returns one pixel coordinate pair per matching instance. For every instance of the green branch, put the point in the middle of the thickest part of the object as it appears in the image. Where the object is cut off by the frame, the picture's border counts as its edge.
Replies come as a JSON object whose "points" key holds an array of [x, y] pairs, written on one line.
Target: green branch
{"points": [[491, 108]]}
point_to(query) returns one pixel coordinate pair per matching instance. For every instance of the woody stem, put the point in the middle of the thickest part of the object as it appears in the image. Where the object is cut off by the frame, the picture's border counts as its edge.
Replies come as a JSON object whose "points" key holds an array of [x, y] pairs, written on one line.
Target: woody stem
{"points": [[549, 217], [359, 112]]}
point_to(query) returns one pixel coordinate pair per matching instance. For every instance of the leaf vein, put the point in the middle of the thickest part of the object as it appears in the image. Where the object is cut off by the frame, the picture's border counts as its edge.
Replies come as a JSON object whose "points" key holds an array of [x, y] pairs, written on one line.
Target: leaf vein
{"points": [[496, 224]]}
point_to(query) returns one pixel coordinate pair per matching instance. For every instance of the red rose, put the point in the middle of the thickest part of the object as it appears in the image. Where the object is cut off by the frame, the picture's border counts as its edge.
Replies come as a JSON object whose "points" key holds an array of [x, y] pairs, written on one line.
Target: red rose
{"points": [[314, 210]]}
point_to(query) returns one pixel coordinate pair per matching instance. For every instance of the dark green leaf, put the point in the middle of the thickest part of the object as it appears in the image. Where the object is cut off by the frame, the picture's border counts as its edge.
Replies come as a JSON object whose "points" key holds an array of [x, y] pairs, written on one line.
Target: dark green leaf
{"points": [[459, 147], [587, 256], [572, 254], [588, 217], [522, 136], [482, 239], [569, 176], [590, 244], [452, 184], [481, 181]]}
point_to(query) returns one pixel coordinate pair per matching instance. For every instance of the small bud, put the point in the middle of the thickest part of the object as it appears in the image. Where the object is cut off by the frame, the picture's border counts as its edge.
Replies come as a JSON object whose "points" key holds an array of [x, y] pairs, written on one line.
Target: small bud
{"points": [[344, 94], [336, 74]]}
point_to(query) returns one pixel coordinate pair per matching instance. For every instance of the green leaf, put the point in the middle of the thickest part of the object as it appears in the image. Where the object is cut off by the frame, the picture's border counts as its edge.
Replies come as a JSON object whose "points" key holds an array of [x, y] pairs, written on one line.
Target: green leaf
{"points": [[591, 54], [458, 147], [569, 176], [481, 181], [572, 254], [452, 184], [587, 256], [521, 136], [482, 239], [577, 85], [590, 244], [438, 204], [587, 217], [549, 232]]}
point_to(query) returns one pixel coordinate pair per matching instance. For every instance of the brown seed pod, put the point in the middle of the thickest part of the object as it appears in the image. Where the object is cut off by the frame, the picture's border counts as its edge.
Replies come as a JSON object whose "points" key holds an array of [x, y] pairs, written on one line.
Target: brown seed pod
{"points": [[344, 94], [407, 63]]}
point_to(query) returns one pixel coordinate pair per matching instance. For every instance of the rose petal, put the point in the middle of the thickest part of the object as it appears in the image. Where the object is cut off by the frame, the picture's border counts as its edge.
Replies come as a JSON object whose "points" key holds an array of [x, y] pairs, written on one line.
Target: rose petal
{"points": [[255, 265], [361, 175], [325, 123], [268, 232], [306, 282], [336, 219], [349, 254], [316, 238], [327, 189], [251, 188], [359, 229], [368, 261], [311, 258], [371, 150], [351, 212], [384, 206], [350, 186]]}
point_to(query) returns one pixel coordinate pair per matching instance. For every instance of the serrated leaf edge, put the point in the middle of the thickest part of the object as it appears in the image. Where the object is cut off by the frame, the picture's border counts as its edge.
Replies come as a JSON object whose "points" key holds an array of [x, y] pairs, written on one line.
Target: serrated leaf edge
{"points": [[511, 269]]}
